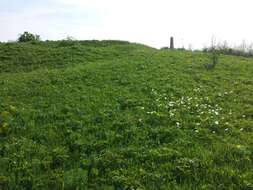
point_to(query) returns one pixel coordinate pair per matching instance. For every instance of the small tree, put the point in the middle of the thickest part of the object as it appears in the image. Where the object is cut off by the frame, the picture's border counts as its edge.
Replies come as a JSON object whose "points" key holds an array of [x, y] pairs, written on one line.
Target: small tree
{"points": [[28, 37], [214, 55]]}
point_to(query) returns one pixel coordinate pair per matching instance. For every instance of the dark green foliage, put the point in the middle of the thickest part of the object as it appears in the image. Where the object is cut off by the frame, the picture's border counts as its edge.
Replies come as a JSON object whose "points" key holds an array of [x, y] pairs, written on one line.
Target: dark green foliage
{"points": [[28, 37], [116, 115], [232, 51]]}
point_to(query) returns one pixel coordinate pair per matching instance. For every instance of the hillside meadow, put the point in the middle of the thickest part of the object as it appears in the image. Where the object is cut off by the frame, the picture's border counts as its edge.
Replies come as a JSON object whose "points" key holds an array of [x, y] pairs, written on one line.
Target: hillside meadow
{"points": [[120, 115]]}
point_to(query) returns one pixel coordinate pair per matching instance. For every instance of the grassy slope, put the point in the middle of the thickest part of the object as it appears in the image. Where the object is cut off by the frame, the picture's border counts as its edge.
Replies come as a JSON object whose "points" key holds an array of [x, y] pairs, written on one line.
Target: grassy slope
{"points": [[105, 115]]}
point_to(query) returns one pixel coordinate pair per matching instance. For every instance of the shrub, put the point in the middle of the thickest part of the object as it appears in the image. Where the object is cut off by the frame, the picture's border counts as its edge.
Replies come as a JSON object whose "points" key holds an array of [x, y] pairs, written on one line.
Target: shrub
{"points": [[68, 41], [28, 37], [214, 55]]}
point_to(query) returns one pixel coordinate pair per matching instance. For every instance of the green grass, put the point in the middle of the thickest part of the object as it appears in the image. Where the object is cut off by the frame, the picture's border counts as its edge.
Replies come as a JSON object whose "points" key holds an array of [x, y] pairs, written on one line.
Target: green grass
{"points": [[117, 115]]}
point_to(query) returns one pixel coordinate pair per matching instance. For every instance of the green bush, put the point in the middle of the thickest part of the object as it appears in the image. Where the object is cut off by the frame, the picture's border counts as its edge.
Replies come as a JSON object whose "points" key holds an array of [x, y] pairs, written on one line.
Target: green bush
{"points": [[28, 37]]}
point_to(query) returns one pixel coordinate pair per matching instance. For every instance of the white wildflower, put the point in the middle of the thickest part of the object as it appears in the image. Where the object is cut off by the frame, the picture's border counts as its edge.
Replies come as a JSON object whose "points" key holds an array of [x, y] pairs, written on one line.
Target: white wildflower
{"points": [[171, 104], [151, 112]]}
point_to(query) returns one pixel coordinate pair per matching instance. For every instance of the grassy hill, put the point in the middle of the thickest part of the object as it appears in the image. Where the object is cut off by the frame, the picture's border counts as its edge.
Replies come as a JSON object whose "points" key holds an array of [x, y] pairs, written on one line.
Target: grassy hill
{"points": [[117, 115]]}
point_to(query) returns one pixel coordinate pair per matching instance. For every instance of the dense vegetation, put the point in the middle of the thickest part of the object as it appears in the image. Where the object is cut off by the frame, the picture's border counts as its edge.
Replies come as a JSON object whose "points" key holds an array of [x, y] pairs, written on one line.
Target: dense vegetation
{"points": [[243, 50], [116, 115]]}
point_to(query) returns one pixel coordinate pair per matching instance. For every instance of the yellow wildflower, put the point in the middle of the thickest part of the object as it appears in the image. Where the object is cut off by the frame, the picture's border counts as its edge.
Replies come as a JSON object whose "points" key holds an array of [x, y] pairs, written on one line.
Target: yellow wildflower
{"points": [[13, 109], [4, 128]]}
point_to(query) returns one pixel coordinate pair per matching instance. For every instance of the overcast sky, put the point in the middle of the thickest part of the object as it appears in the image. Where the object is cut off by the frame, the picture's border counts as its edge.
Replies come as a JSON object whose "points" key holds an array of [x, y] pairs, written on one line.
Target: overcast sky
{"points": [[151, 22]]}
